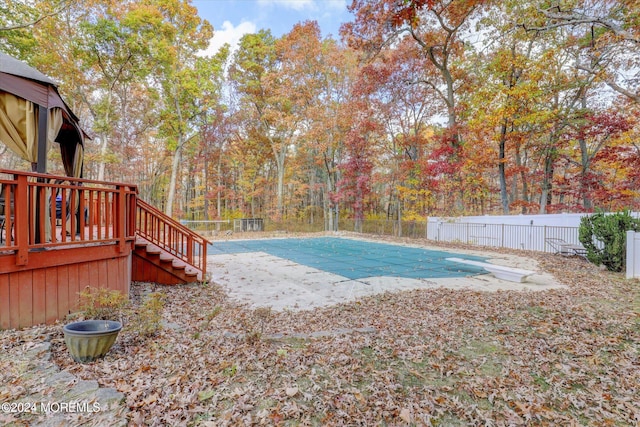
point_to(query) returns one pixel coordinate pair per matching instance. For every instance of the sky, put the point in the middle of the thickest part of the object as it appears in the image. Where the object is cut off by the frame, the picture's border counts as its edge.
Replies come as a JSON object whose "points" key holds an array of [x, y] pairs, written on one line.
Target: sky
{"points": [[231, 19]]}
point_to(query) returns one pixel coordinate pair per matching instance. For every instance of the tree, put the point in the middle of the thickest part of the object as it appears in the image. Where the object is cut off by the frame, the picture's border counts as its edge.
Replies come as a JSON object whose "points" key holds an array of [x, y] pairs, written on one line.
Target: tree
{"points": [[612, 29], [188, 89], [17, 20], [592, 132], [112, 53], [254, 62], [432, 106], [356, 170], [278, 80], [329, 119], [405, 110], [434, 26]]}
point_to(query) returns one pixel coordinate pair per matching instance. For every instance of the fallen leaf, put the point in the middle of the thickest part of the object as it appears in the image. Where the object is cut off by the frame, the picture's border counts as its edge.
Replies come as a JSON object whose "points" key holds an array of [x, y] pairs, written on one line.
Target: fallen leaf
{"points": [[405, 415], [291, 391], [206, 394]]}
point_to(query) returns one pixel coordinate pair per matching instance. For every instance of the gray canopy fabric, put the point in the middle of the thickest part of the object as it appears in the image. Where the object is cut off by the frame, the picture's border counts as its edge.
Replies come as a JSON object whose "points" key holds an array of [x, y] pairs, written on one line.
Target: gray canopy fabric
{"points": [[11, 65], [33, 116]]}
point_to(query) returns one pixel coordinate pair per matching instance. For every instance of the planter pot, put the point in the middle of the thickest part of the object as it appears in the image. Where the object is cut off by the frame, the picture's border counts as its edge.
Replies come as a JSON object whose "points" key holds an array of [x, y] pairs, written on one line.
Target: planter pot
{"points": [[90, 339]]}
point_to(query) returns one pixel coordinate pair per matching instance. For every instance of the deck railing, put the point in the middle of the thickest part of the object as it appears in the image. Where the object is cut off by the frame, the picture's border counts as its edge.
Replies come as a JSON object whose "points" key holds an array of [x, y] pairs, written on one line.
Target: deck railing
{"points": [[42, 211], [171, 236]]}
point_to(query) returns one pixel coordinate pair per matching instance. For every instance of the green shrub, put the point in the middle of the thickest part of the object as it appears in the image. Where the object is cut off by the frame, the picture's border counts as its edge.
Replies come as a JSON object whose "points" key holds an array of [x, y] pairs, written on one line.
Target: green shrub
{"points": [[148, 317], [102, 303], [608, 231]]}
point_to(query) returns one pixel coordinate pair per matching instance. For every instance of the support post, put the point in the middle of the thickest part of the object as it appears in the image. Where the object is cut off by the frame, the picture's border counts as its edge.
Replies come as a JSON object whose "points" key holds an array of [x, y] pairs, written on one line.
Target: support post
{"points": [[21, 220], [41, 166], [121, 204], [632, 255]]}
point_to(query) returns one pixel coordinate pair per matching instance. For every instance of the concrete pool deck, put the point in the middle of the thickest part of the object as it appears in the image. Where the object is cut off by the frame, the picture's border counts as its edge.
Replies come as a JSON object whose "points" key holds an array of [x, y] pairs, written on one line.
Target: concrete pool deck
{"points": [[263, 280]]}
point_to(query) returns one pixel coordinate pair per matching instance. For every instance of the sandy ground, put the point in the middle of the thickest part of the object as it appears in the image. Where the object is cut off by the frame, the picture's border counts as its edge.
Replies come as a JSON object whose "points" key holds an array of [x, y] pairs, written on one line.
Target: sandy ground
{"points": [[263, 280]]}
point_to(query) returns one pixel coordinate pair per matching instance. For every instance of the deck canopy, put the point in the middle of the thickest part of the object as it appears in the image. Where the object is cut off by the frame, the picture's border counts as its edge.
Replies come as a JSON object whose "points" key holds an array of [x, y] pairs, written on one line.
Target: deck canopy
{"points": [[33, 116]]}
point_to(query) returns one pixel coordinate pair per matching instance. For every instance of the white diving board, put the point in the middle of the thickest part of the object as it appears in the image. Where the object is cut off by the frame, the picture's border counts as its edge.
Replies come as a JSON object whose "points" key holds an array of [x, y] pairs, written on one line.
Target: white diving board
{"points": [[499, 271]]}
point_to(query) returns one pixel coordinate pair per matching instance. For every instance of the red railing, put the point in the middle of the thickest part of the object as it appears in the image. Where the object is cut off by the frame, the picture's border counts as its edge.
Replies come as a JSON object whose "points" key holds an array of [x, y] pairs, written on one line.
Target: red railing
{"points": [[42, 211], [171, 236]]}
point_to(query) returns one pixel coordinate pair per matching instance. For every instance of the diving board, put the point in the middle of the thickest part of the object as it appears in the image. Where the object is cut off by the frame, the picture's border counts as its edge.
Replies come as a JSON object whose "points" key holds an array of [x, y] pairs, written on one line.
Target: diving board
{"points": [[499, 271]]}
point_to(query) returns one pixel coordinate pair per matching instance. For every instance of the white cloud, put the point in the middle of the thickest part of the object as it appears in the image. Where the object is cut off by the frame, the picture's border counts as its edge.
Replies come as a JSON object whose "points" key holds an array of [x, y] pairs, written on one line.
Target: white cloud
{"points": [[340, 5], [229, 34], [290, 4]]}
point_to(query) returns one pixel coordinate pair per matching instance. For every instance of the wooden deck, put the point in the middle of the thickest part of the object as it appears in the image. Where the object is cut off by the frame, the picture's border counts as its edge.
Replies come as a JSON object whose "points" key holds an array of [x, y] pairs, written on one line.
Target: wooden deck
{"points": [[50, 249], [48, 289]]}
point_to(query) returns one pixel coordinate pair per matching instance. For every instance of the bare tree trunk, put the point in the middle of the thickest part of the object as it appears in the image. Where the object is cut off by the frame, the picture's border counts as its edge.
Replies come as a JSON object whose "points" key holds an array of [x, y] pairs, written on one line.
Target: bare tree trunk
{"points": [[327, 208], [585, 163], [280, 189], [501, 168], [218, 190], [104, 143], [175, 169], [102, 166], [399, 217], [547, 184], [525, 184]]}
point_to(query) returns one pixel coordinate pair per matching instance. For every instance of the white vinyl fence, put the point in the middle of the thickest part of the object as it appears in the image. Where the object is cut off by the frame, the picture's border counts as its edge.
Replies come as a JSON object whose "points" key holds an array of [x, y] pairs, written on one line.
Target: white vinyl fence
{"points": [[525, 232], [524, 237], [633, 254]]}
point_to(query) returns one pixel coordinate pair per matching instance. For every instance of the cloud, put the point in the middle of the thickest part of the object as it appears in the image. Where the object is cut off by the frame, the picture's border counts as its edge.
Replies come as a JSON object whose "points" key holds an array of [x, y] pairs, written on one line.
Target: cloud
{"points": [[340, 5], [290, 4], [229, 34]]}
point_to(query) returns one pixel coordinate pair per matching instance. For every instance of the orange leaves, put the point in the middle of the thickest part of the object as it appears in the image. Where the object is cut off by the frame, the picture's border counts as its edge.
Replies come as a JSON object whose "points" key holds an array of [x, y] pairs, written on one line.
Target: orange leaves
{"points": [[439, 357]]}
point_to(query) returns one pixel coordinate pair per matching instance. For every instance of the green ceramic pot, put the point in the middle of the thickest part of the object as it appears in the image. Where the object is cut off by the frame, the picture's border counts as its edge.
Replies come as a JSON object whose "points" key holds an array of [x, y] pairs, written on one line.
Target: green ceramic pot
{"points": [[90, 339]]}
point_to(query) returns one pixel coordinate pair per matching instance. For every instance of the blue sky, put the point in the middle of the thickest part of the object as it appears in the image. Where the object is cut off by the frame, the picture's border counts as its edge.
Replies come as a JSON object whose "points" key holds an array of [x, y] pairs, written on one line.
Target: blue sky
{"points": [[231, 19]]}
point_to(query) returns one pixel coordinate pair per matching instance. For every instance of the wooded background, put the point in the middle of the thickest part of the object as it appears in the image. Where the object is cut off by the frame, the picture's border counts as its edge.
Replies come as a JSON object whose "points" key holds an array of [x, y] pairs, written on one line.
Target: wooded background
{"points": [[422, 107]]}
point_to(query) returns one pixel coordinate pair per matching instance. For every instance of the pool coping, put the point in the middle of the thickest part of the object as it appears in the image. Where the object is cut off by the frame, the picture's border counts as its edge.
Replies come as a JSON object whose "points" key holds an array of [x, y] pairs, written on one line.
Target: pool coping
{"points": [[263, 280]]}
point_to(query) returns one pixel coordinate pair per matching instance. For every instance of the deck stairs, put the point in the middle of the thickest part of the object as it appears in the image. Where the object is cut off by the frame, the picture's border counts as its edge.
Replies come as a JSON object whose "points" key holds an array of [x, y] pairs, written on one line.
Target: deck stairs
{"points": [[151, 263], [166, 251], [96, 233]]}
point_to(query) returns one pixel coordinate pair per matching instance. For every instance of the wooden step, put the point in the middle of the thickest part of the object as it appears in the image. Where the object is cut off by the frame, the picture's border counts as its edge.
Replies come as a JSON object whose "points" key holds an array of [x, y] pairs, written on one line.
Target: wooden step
{"points": [[154, 264], [191, 272], [165, 257], [153, 250]]}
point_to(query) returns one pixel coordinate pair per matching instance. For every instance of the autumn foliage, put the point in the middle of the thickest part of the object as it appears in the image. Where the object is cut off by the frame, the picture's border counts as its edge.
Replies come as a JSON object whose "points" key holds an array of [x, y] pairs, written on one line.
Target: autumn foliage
{"points": [[424, 107]]}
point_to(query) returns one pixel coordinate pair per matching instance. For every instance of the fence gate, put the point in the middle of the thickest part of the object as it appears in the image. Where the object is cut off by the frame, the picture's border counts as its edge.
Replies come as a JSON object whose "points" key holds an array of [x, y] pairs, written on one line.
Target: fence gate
{"points": [[248, 224]]}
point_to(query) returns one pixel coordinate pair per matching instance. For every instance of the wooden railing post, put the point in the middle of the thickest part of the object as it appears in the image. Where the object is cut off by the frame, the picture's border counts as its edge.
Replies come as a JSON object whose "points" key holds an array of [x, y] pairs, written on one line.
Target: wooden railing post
{"points": [[132, 214], [21, 220], [203, 258], [121, 204], [190, 250]]}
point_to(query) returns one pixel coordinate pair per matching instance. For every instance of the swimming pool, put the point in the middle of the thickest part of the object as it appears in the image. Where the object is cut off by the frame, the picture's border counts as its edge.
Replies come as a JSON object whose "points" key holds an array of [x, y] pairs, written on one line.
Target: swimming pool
{"points": [[356, 259]]}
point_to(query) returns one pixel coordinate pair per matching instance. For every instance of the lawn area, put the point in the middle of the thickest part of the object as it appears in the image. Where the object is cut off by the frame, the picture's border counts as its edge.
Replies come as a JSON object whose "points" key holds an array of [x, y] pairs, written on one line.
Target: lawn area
{"points": [[430, 357]]}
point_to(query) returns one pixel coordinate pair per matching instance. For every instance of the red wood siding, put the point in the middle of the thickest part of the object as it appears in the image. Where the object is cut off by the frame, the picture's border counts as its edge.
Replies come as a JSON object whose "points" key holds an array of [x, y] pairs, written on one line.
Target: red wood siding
{"points": [[145, 270], [50, 251], [50, 293]]}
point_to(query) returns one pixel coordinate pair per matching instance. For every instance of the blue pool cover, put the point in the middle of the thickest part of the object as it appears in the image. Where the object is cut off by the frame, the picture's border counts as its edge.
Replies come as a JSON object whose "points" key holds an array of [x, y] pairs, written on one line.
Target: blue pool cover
{"points": [[356, 259]]}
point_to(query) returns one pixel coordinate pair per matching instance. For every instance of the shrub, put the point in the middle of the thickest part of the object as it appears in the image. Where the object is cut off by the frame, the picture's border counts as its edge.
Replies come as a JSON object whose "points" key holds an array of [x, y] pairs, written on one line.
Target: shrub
{"points": [[148, 318], [102, 303], [604, 238], [253, 323]]}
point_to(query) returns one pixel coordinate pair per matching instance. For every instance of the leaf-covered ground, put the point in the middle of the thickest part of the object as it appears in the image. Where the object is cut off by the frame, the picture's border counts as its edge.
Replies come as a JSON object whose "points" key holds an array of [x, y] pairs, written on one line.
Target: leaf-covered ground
{"points": [[430, 357]]}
